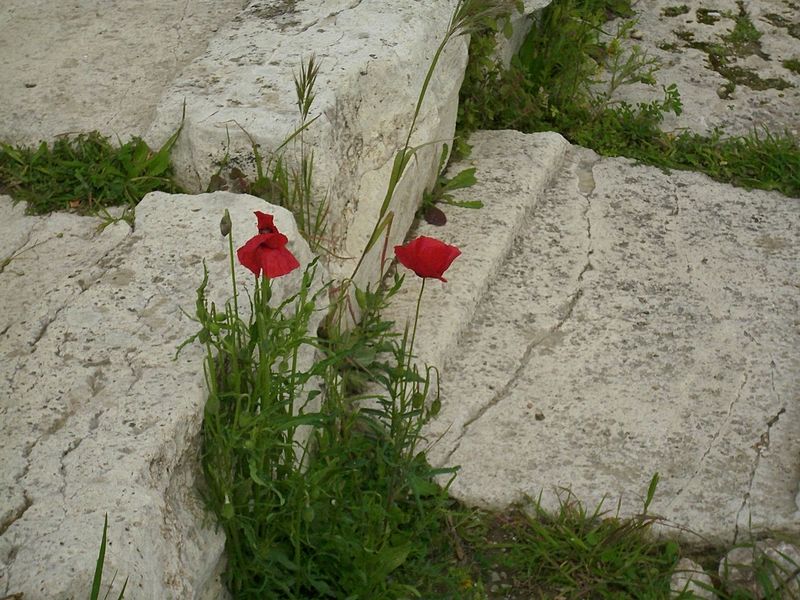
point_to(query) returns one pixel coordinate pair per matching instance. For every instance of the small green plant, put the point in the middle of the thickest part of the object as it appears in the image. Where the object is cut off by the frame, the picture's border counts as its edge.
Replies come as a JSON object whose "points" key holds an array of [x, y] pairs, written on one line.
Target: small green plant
{"points": [[552, 85], [286, 180], [570, 553], [97, 581], [744, 37], [86, 173], [792, 64], [441, 193], [574, 552], [675, 11]]}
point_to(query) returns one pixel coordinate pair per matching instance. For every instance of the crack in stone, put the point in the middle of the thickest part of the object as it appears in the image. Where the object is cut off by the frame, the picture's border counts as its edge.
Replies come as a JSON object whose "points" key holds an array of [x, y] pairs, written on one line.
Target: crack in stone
{"points": [[711, 444], [17, 514], [332, 15], [46, 324], [83, 287], [760, 447], [179, 32], [137, 376], [72, 446], [566, 315]]}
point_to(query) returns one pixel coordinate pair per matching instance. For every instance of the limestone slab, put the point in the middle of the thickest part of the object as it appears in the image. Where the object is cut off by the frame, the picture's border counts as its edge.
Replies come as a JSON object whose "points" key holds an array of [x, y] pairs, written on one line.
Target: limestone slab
{"points": [[643, 323], [69, 67], [737, 105], [97, 414], [512, 171], [372, 57]]}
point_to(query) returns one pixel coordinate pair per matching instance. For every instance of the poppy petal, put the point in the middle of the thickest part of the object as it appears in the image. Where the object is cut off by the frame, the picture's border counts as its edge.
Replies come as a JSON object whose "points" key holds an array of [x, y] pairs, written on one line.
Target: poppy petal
{"points": [[277, 262], [266, 223]]}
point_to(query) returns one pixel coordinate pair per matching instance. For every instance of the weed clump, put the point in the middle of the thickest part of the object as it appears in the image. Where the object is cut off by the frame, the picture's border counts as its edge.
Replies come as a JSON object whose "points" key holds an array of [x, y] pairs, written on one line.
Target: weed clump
{"points": [[564, 77], [85, 173]]}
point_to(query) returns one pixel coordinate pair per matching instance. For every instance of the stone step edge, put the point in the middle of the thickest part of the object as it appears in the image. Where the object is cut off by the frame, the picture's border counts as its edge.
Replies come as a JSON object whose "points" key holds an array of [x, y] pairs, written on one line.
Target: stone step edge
{"points": [[513, 170]]}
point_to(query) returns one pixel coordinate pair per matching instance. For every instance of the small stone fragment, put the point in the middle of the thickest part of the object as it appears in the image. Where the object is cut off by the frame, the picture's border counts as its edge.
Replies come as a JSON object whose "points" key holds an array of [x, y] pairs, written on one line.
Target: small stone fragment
{"points": [[636, 35], [690, 577], [743, 568]]}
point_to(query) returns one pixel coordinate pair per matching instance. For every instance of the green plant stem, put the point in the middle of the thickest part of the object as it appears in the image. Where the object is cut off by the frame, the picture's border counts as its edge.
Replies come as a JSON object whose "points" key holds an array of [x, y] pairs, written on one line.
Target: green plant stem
{"points": [[416, 320], [233, 274]]}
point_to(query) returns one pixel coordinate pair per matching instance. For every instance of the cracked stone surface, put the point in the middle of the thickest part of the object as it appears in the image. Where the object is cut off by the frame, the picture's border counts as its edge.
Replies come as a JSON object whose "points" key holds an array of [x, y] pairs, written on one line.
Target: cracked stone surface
{"points": [[96, 416], [642, 323], [752, 87], [67, 67]]}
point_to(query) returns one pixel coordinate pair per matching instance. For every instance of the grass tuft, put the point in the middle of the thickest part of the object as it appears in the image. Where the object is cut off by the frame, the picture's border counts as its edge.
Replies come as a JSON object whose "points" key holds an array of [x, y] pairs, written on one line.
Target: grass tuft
{"points": [[85, 173], [552, 86]]}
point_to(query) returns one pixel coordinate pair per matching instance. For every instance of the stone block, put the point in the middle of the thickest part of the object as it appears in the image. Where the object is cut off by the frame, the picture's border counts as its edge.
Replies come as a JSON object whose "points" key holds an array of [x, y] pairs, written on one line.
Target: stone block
{"points": [[373, 59], [98, 416], [690, 579], [746, 569]]}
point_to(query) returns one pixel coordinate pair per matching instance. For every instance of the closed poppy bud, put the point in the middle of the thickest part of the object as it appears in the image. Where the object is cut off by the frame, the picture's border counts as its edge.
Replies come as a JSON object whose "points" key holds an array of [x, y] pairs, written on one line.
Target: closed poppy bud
{"points": [[427, 257], [225, 224]]}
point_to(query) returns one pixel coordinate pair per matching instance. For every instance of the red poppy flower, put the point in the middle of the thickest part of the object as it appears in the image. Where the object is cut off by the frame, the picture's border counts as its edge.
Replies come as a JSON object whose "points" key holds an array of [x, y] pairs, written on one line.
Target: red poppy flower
{"points": [[266, 253], [266, 223], [427, 257]]}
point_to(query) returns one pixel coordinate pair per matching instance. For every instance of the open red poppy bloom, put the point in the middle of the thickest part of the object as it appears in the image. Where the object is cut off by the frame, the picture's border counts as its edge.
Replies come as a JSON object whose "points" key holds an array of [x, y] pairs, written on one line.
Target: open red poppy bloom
{"points": [[426, 256], [266, 253]]}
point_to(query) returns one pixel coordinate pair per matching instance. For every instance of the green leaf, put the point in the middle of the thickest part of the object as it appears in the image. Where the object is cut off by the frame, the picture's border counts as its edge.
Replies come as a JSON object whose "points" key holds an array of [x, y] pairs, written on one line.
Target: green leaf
{"points": [[98, 570], [422, 486], [508, 29], [463, 203], [651, 491], [279, 556], [463, 179], [212, 405], [391, 557]]}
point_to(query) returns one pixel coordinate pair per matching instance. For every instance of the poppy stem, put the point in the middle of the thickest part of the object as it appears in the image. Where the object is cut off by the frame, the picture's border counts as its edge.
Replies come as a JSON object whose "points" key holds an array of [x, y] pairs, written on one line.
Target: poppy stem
{"points": [[233, 272], [416, 320]]}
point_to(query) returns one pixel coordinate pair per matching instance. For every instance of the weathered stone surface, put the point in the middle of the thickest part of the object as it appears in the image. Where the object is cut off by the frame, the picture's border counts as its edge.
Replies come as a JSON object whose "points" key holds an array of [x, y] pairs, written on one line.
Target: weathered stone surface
{"points": [[643, 323], [67, 67], [690, 579], [234, 69], [509, 184], [373, 58], [97, 417], [747, 94], [744, 569]]}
